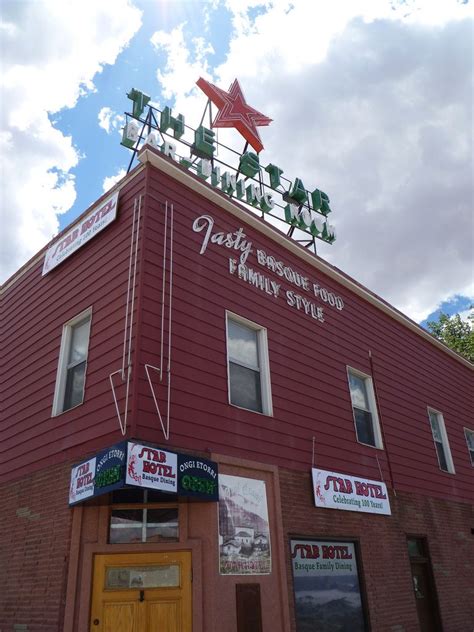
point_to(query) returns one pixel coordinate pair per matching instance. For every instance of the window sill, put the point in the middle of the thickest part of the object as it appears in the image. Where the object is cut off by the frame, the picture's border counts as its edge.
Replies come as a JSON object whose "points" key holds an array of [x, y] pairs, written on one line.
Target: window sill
{"points": [[63, 412], [249, 410], [369, 445]]}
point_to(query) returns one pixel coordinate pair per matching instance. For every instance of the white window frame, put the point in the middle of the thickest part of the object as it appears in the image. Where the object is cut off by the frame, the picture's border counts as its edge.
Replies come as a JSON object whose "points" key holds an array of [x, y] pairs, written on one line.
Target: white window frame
{"points": [[369, 387], [444, 440], [263, 358], [471, 456], [61, 374]]}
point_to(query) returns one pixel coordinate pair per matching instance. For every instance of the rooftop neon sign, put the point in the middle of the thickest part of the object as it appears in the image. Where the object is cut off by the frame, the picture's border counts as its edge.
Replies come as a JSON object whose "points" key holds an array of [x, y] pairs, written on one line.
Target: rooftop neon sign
{"points": [[263, 188]]}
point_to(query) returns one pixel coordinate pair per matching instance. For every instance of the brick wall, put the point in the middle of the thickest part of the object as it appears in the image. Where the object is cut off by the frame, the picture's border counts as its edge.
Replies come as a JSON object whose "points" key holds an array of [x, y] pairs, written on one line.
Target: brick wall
{"points": [[385, 566], [35, 523]]}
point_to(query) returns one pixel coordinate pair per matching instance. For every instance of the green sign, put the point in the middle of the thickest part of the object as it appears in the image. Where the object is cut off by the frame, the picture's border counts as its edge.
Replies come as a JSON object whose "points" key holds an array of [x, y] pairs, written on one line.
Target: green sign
{"points": [[261, 186]]}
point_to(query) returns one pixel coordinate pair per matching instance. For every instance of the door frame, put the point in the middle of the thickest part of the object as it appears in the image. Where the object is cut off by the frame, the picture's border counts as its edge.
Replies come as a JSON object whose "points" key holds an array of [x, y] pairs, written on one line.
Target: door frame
{"points": [[81, 566]]}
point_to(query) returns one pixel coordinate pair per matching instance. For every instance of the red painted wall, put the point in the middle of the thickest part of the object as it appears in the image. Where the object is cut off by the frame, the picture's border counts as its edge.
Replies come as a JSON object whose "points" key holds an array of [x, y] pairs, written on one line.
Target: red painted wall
{"points": [[34, 311], [308, 359]]}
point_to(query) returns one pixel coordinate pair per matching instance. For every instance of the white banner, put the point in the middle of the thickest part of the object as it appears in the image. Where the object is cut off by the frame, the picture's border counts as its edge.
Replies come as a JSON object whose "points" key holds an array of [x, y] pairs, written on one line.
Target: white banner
{"points": [[151, 468], [333, 490], [95, 221], [82, 481]]}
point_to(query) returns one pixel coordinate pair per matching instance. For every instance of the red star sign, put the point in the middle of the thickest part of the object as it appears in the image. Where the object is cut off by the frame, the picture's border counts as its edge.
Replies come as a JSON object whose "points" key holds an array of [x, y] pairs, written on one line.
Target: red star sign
{"points": [[234, 111]]}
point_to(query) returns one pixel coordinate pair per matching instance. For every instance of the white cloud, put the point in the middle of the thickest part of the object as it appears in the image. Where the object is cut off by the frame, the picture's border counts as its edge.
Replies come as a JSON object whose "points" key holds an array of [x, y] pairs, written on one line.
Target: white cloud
{"points": [[466, 315], [181, 69], [180, 73], [51, 52], [109, 182], [109, 120], [385, 137], [371, 102]]}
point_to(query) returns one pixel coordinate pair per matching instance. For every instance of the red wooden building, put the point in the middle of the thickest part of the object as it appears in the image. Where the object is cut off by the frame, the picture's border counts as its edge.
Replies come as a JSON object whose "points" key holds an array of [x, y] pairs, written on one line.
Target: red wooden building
{"points": [[342, 432]]}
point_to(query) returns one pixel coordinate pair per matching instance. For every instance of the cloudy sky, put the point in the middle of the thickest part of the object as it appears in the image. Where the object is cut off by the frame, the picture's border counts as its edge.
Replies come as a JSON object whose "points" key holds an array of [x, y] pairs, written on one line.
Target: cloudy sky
{"points": [[371, 101]]}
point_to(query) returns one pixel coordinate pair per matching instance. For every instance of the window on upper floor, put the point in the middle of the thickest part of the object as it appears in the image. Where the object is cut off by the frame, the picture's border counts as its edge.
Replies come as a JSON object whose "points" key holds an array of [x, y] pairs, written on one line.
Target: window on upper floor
{"points": [[440, 438], [71, 374], [364, 408], [469, 434], [248, 365]]}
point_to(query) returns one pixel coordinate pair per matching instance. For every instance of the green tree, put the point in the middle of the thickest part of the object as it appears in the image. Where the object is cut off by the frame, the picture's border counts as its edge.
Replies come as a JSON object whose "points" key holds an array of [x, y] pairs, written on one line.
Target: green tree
{"points": [[455, 333]]}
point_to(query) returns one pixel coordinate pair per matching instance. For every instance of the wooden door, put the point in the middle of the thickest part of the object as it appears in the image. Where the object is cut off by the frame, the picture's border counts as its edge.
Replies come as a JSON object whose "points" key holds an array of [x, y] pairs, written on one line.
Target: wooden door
{"points": [[423, 585], [425, 600], [142, 592]]}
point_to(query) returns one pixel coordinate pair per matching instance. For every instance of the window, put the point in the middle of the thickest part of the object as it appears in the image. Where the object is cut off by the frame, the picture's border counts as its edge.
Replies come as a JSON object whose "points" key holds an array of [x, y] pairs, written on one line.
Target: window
{"points": [[440, 439], [142, 516], [159, 524], [469, 434], [72, 363], [327, 586], [364, 408], [248, 371]]}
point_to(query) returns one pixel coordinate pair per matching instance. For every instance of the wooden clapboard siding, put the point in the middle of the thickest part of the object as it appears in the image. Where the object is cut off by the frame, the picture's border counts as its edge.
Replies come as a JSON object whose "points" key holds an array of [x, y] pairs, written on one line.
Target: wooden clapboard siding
{"points": [[34, 311], [308, 363], [308, 359]]}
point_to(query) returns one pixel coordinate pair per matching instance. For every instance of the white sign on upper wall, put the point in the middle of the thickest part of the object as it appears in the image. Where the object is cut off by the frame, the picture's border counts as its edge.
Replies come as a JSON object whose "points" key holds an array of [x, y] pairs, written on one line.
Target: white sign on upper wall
{"points": [[94, 222], [352, 493]]}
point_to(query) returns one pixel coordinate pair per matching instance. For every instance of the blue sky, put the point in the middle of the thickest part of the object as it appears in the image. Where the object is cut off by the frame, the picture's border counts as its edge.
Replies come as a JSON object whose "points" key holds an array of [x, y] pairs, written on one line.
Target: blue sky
{"points": [[371, 102], [456, 305]]}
